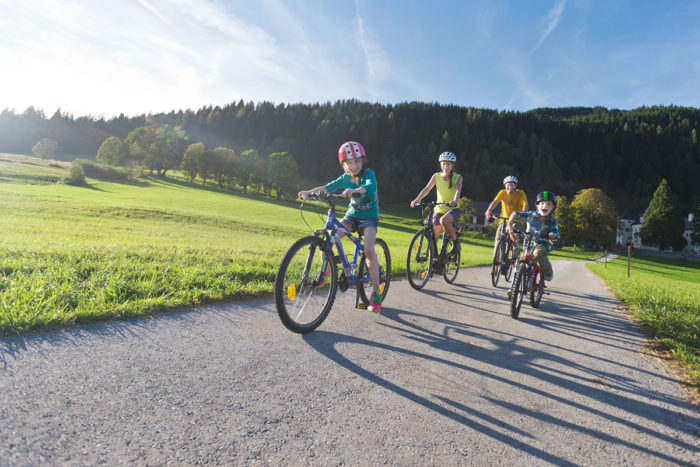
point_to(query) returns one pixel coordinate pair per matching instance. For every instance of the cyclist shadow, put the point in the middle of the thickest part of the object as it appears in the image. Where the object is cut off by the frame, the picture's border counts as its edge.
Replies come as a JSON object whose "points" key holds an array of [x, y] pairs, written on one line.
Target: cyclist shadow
{"points": [[520, 359], [325, 343]]}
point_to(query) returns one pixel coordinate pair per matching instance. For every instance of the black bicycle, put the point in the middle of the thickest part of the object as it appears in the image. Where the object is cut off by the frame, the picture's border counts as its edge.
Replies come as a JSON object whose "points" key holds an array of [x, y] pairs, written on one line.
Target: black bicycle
{"points": [[423, 259], [504, 257], [307, 278]]}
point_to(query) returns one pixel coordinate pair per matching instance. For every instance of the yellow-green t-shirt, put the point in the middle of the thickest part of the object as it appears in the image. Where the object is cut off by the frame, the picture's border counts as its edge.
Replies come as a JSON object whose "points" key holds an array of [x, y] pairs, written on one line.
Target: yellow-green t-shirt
{"points": [[510, 203], [445, 194]]}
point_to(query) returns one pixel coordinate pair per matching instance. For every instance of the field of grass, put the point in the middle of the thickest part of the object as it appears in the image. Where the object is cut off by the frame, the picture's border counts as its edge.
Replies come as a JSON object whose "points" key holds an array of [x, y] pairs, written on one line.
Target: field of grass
{"points": [[109, 249], [664, 295]]}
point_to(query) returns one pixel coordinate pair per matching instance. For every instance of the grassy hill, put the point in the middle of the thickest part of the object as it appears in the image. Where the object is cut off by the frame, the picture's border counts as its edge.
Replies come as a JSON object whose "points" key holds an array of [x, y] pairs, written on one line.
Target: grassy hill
{"points": [[112, 249]]}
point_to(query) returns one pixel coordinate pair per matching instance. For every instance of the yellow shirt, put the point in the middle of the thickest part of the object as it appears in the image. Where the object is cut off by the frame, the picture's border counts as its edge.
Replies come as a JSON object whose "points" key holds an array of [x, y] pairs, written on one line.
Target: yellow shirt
{"points": [[445, 194], [510, 203]]}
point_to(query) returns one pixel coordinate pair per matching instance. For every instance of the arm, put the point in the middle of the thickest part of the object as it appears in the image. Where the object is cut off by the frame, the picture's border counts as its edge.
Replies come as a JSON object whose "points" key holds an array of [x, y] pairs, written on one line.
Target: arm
{"points": [[511, 219], [491, 207], [424, 191], [368, 186], [458, 192]]}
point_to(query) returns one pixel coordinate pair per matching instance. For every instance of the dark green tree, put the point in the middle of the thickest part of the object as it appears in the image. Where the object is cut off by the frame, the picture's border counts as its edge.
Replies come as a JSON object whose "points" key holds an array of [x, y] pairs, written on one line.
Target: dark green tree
{"points": [[662, 225]]}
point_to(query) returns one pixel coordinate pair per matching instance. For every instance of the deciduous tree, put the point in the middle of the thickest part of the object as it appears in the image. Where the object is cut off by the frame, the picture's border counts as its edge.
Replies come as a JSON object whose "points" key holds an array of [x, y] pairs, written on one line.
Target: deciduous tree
{"points": [[596, 217], [112, 151], [45, 148], [283, 173]]}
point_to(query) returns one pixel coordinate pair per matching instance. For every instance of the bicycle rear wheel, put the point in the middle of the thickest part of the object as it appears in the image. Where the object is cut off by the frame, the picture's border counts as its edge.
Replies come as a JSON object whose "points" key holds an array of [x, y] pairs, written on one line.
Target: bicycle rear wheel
{"points": [[384, 260], [538, 290], [497, 259], [518, 291], [303, 295], [419, 260], [451, 261], [511, 259]]}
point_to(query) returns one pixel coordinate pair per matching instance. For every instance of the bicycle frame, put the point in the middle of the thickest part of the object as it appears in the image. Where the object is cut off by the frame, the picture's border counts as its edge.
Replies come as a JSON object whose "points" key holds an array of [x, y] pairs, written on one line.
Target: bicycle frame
{"points": [[330, 234], [429, 227], [532, 266]]}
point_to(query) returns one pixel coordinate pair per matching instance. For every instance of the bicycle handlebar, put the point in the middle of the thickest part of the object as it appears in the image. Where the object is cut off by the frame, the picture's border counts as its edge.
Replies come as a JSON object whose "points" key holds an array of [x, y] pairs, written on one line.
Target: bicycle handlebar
{"points": [[430, 204]]}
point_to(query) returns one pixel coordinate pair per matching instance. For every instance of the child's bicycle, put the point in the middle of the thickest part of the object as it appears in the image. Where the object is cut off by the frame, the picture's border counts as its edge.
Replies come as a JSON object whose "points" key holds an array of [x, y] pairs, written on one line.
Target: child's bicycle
{"points": [[307, 278], [504, 257], [528, 278], [423, 259]]}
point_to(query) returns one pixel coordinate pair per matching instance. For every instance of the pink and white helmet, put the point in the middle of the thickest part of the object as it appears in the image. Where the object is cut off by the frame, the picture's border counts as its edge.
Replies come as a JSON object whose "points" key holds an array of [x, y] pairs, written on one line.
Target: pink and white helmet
{"points": [[350, 150]]}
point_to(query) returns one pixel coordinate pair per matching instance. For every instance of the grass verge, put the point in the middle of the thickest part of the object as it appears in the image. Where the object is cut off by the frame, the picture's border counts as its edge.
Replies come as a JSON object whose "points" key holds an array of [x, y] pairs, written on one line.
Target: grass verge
{"points": [[664, 296]]}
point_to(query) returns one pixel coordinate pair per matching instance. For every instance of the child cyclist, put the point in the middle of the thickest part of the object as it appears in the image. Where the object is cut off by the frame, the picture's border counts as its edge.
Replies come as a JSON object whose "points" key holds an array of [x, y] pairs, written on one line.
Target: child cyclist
{"points": [[363, 211], [448, 185], [544, 225]]}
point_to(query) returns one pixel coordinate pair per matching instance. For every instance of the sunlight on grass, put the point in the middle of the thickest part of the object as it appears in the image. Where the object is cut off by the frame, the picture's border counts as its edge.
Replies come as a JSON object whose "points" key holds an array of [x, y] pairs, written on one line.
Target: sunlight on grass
{"points": [[664, 295], [112, 249]]}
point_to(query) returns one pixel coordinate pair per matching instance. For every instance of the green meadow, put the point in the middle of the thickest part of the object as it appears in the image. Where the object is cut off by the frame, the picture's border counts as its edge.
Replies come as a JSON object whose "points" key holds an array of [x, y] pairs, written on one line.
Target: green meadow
{"points": [[108, 249], [664, 295], [112, 249]]}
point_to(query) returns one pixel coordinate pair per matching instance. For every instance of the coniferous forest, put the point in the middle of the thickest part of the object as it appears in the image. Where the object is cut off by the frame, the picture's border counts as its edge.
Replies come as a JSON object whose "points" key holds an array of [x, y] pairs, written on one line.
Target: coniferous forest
{"points": [[624, 152]]}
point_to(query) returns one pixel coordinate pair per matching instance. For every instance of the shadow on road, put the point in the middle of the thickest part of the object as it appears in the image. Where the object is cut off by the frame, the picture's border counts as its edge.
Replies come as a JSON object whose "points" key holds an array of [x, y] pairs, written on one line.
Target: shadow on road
{"points": [[524, 359]]}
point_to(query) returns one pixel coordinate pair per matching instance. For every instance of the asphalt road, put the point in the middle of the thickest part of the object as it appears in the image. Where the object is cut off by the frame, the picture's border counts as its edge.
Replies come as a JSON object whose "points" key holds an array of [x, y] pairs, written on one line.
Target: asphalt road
{"points": [[442, 377]]}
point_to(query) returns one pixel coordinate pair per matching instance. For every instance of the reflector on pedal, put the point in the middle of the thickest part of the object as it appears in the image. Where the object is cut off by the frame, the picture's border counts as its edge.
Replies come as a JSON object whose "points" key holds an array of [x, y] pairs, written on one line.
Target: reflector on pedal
{"points": [[381, 288], [292, 291]]}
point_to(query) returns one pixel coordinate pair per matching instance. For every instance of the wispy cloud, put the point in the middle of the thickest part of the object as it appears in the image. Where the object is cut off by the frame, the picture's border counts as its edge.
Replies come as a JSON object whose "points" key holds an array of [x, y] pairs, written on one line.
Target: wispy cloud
{"points": [[378, 67], [551, 22]]}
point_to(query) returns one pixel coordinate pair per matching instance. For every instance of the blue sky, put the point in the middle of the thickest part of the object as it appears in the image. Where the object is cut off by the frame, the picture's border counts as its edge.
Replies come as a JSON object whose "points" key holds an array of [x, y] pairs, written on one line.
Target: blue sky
{"points": [[102, 58]]}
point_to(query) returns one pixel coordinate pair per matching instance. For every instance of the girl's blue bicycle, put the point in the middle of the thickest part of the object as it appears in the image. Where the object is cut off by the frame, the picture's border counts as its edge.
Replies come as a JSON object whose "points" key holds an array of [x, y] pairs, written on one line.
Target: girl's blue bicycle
{"points": [[307, 278]]}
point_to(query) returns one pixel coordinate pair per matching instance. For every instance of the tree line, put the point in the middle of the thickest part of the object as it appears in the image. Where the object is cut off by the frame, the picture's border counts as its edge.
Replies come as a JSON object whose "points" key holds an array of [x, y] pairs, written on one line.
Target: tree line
{"points": [[626, 153]]}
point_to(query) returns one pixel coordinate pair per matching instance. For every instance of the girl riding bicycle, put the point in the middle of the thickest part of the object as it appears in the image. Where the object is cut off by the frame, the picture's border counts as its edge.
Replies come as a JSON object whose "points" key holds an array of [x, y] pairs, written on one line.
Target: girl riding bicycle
{"points": [[448, 185], [363, 211]]}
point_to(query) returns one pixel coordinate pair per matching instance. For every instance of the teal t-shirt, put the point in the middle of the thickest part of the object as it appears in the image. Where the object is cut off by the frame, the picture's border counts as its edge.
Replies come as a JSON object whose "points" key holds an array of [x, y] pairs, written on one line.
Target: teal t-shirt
{"points": [[363, 206]]}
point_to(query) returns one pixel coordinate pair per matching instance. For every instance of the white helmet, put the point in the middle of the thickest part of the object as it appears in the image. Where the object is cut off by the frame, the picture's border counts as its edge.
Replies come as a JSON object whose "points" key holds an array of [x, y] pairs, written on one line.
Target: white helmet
{"points": [[510, 178], [447, 157]]}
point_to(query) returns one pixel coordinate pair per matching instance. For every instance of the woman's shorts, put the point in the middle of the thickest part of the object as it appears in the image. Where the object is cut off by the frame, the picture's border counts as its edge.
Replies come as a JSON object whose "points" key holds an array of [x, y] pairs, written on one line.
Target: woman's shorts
{"points": [[360, 223], [455, 213]]}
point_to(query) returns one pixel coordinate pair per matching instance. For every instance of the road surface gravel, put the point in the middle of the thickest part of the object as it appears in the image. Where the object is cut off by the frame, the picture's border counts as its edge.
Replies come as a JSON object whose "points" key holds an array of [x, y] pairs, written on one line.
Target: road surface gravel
{"points": [[443, 376]]}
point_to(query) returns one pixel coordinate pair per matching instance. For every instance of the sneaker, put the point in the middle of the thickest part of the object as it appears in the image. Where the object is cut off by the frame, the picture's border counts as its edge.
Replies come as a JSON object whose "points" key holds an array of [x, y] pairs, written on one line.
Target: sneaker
{"points": [[456, 248], [548, 275], [375, 304], [322, 280]]}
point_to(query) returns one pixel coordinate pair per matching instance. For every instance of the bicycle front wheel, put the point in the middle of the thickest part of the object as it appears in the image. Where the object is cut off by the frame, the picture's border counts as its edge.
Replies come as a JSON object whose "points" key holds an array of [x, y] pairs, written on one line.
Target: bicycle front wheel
{"points": [[451, 262], [384, 260], [538, 290], [305, 288], [418, 260], [518, 291], [497, 259]]}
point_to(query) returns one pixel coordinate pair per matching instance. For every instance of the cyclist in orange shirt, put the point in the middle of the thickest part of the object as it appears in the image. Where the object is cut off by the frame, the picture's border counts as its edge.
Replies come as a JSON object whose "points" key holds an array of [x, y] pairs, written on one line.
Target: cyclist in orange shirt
{"points": [[511, 200]]}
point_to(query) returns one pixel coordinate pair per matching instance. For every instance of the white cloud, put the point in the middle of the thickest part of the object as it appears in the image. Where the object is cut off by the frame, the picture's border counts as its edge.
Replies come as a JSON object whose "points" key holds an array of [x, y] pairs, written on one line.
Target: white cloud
{"points": [[551, 22], [157, 55]]}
